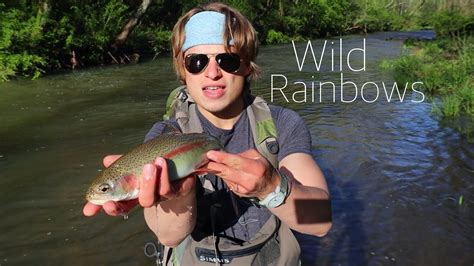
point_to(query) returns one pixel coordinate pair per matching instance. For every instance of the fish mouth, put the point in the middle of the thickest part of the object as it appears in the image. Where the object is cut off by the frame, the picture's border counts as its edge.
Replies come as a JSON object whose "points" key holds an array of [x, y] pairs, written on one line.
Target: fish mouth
{"points": [[98, 201], [101, 199]]}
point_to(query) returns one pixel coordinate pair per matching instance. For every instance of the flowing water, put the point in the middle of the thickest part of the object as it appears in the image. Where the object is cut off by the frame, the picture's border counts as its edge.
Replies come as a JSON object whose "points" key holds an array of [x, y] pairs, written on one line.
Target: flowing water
{"points": [[401, 183]]}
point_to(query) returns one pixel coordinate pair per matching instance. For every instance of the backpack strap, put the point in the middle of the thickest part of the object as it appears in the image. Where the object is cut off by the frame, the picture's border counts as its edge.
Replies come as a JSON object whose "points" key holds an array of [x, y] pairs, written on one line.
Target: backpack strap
{"points": [[263, 130], [171, 103], [180, 106]]}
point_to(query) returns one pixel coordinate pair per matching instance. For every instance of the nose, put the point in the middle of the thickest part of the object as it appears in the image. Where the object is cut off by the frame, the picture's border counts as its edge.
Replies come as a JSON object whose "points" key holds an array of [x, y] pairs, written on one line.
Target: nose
{"points": [[212, 70]]}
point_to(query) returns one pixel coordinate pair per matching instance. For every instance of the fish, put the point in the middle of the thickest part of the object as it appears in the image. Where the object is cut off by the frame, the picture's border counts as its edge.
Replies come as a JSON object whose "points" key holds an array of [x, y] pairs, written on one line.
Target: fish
{"points": [[185, 154]]}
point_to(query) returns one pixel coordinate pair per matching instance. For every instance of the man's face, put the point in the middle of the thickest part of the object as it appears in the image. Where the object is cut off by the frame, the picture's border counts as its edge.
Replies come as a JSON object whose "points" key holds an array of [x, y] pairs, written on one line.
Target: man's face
{"points": [[215, 91]]}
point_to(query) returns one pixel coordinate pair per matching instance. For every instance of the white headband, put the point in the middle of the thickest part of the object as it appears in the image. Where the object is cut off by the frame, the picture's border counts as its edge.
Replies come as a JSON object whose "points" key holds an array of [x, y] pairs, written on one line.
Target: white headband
{"points": [[206, 27]]}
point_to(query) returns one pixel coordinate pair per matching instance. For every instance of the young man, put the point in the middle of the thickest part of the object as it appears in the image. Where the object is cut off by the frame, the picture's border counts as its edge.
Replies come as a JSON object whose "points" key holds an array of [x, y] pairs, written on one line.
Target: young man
{"points": [[230, 218]]}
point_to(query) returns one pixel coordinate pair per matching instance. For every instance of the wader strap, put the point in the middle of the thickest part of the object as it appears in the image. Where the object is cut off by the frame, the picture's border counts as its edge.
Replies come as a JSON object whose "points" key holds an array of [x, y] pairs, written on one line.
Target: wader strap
{"points": [[186, 113], [194, 124], [263, 130], [171, 102], [178, 253]]}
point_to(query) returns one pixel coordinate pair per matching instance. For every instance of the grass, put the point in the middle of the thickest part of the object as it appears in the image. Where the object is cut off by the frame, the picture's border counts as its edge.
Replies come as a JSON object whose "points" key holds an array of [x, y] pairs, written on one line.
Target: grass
{"points": [[446, 68]]}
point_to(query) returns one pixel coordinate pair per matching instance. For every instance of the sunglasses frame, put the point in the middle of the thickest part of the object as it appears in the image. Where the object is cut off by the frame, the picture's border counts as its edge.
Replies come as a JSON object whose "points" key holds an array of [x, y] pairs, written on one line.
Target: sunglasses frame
{"points": [[209, 56]]}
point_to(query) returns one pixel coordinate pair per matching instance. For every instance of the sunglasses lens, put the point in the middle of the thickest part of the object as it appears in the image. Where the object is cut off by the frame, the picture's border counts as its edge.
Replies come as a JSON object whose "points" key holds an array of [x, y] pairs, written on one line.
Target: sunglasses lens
{"points": [[195, 63], [229, 62]]}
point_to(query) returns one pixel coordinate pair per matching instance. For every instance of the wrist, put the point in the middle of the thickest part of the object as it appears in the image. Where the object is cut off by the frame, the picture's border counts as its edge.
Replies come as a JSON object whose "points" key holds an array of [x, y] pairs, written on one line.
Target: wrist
{"points": [[272, 184], [278, 196]]}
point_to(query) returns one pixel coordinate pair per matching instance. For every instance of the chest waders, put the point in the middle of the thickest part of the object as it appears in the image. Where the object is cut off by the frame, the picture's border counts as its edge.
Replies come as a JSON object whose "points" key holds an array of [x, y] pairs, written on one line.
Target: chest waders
{"points": [[274, 243]]}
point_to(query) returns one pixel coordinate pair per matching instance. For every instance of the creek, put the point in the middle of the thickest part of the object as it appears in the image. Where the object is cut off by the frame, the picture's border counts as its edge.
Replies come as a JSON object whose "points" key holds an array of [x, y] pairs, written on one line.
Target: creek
{"points": [[401, 183]]}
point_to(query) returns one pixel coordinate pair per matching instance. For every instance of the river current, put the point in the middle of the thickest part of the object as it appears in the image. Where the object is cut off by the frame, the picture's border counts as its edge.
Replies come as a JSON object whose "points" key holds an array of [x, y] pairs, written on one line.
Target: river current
{"points": [[401, 182]]}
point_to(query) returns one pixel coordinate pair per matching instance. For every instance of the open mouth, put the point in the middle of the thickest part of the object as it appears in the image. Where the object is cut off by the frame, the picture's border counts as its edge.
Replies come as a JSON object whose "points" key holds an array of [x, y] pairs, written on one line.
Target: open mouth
{"points": [[213, 88], [214, 92]]}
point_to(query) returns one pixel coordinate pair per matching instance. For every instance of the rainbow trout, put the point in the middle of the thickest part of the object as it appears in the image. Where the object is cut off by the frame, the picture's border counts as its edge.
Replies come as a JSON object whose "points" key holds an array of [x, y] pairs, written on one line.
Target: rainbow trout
{"points": [[184, 154]]}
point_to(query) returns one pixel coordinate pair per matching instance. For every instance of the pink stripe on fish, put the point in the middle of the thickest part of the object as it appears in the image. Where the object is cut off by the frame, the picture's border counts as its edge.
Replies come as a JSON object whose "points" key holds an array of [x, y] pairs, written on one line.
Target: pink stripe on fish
{"points": [[183, 149]]}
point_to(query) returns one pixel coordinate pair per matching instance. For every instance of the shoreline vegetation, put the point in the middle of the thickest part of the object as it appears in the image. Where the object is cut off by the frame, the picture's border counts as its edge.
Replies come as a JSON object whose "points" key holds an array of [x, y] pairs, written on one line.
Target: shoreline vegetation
{"points": [[445, 65], [40, 36], [45, 36]]}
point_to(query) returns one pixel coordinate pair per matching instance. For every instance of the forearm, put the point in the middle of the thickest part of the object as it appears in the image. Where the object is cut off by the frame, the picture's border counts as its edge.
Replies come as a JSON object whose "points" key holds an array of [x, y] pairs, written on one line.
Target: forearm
{"points": [[306, 210], [172, 220]]}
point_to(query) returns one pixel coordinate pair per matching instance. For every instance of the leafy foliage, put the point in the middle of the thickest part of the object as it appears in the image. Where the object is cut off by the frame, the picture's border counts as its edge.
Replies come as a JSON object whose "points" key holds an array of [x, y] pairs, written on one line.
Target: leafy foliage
{"points": [[446, 68], [451, 24], [96, 27], [44, 35], [19, 35], [274, 37]]}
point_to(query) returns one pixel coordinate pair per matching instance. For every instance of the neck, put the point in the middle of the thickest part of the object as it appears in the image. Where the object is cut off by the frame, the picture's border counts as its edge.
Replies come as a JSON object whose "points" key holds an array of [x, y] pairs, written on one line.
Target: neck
{"points": [[227, 118]]}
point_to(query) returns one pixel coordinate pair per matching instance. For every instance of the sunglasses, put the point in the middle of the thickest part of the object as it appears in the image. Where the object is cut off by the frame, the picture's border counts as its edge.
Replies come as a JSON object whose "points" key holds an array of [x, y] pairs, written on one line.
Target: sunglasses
{"points": [[195, 63]]}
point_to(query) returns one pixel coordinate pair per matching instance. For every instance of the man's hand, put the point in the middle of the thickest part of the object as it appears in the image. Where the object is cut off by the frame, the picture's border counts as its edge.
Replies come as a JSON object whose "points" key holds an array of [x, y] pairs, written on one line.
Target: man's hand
{"points": [[154, 185], [247, 174]]}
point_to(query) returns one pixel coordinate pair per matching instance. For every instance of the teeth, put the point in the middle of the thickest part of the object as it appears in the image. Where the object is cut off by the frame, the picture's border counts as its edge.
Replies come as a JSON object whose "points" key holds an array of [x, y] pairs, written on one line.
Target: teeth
{"points": [[213, 88]]}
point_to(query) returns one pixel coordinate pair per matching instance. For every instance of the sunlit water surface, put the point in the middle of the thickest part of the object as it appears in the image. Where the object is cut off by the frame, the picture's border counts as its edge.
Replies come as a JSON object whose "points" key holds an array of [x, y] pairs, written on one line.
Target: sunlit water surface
{"points": [[396, 175]]}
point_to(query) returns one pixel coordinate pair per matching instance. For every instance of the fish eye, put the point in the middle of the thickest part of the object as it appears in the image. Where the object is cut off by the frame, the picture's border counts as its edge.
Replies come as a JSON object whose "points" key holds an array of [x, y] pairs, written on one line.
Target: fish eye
{"points": [[104, 187]]}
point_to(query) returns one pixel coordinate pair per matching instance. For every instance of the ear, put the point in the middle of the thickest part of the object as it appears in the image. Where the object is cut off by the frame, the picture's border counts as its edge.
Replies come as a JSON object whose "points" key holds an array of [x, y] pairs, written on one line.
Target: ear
{"points": [[244, 69], [247, 71]]}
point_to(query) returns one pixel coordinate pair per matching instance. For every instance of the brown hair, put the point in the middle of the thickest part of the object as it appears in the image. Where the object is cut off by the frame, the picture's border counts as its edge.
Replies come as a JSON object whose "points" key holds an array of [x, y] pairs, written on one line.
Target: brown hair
{"points": [[237, 28]]}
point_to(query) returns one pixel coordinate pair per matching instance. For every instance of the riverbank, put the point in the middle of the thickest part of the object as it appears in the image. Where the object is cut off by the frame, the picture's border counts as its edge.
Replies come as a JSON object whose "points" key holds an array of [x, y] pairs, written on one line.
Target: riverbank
{"points": [[445, 65]]}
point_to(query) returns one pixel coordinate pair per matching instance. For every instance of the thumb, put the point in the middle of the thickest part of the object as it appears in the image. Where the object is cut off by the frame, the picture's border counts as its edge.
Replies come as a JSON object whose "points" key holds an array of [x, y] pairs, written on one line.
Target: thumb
{"points": [[110, 159], [164, 182]]}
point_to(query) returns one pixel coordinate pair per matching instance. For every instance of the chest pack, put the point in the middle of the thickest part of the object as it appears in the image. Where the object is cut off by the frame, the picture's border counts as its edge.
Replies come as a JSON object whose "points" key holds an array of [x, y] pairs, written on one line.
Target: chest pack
{"points": [[274, 244], [182, 107]]}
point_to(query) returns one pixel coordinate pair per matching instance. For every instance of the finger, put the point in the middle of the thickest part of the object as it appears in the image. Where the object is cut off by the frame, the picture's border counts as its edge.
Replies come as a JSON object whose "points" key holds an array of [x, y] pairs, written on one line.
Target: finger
{"points": [[229, 159], [146, 194], [110, 159], [249, 169], [225, 172], [230, 185], [110, 208], [165, 190], [231, 177], [113, 208], [251, 154], [125, 206], [91, 209], [224, 157], [237, 189], [244, 161], [183, 186]]}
